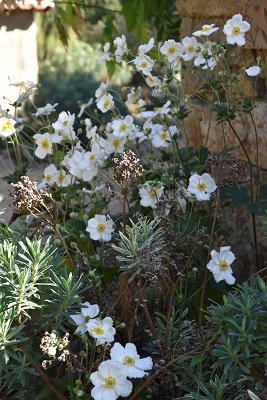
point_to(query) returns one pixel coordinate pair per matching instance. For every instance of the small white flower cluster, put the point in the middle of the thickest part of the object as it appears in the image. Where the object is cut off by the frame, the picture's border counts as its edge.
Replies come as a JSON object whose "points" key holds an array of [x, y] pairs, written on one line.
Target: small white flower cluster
{"points": [[206, 56], [100, 329], [110, 380]]}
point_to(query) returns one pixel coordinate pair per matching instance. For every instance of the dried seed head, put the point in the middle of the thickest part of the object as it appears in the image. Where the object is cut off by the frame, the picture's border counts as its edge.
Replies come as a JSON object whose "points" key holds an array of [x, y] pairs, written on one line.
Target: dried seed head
{"points": [[27, 196], [227, 169], [127, 169]]}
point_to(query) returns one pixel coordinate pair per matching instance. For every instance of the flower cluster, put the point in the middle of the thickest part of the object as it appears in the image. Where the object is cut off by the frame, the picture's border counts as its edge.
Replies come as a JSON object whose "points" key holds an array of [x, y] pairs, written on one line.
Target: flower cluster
{"points": [[51, 344], [100, 329], [111, 378]]}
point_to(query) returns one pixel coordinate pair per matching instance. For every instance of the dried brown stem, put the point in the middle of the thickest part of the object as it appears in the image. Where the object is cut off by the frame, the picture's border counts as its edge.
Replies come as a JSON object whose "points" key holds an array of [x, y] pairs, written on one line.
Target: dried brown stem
{"points": [[161, 371], [48, 382], [204, 287]]}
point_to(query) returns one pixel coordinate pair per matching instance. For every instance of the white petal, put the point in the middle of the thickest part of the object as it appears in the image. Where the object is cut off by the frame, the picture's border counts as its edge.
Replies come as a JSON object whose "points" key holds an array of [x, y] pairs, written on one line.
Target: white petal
{"points": [[130, 350], [229, 278], [134, 372], [123, 387], [78, 319], [96, 378], [117, 353], [144, 363]]}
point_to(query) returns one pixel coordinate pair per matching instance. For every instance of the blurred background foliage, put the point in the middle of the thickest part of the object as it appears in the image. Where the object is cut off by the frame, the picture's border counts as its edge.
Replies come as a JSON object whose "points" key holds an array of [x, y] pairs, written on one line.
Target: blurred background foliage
{"points": [[71, 37]]}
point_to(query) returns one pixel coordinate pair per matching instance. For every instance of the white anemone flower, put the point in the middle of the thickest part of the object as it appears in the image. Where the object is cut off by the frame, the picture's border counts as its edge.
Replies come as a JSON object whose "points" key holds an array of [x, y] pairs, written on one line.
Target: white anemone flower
{"points": [[102, 90], [172, 50], [161, 136], [220, 263], [235, 29], [105, 103], [63, 179], [150, 194], [105, 56], [144, 63], [101, 330], [46, 110], [206, 30], [84, 106], [201, 186], [190, 48], [49, 176], [80, 165], [24, 84], [121, 47], [64, 122], [165, 109], [153, 81], [63, 127], [110, 382], [145, 48], [7, 127], [122, 127], [253, 71], [127, 356], [100, 228], [115, 144], [88, 312], [44, 144]]}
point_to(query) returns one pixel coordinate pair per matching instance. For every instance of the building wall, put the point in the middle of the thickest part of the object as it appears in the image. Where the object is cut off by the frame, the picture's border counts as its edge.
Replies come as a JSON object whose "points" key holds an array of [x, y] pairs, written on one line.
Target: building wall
{"points": [[18, 51]]}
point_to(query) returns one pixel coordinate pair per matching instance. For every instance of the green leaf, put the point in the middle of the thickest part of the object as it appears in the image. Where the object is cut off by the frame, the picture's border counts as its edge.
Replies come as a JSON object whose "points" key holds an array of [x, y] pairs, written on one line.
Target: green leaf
{"points": [[252, 395]]}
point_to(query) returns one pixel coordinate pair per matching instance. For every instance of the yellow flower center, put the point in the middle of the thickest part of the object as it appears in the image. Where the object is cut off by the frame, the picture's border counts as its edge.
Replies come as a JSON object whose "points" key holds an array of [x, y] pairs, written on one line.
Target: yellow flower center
{"points": [[92, 156], [106, 104], [143, 64], [129, 360], [171, 50], [98, 331], [152, 194], [101, 227], [60, 178], [123, 127], [48, 178], [164, 135], [45, 144], [236, 30], [205, 29], [190, 49], [201, 186], [223, 265], [116, 143], [110, 382], [65, 123], [6, 126]]}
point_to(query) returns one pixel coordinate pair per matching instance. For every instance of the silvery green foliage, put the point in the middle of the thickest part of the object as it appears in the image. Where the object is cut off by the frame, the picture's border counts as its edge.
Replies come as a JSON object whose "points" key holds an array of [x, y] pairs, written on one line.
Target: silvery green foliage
{"points": [[140, 249], [32, 297]]}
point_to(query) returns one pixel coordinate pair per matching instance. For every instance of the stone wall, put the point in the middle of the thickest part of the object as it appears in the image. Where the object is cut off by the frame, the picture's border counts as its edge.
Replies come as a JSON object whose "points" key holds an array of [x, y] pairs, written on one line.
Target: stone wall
{"points": [[196, 13], [237, 223]]}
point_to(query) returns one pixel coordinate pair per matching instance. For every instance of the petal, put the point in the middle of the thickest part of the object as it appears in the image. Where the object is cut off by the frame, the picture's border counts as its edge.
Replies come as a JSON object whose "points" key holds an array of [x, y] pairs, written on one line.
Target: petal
{"points": [[81, 328], [144, 363], [78, 319], [134, 372], [117, 353], [109, 394], [123, 387], [130, 350], [96, 378], [244, 26], [229, 278], [104, 369], [240, 40]]}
